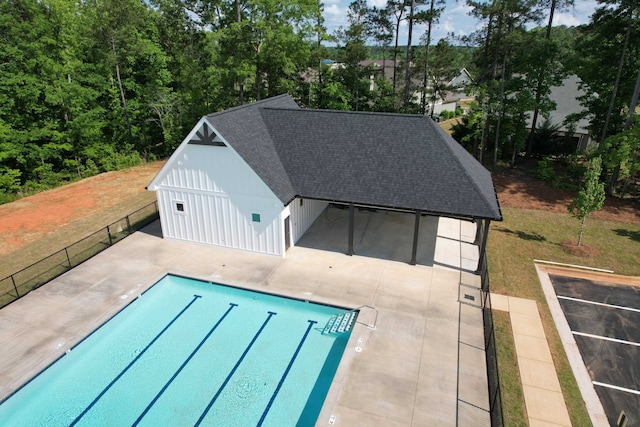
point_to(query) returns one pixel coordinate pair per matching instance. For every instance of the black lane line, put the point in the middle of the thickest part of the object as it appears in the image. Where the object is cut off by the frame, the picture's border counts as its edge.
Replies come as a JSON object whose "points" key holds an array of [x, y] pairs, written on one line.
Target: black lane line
{"points": [[104, 390], [286, 372], [246, 350], [187, 360]]}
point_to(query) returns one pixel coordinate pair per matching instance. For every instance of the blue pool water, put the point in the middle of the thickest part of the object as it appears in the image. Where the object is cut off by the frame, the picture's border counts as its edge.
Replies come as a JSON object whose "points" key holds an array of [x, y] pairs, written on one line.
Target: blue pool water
{"points": [[191, 353]]}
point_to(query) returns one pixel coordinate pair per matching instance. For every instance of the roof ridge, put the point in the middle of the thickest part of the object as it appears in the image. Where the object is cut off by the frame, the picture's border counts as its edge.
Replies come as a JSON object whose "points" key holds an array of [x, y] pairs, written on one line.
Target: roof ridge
{"points": [[251, 104], [361, 113], [464, 169]]}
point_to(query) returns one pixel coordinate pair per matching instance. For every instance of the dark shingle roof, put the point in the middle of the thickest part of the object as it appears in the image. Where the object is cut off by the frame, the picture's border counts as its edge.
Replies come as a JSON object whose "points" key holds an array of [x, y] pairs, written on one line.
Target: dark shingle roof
{"points": [[247, 134], [377, 159]]}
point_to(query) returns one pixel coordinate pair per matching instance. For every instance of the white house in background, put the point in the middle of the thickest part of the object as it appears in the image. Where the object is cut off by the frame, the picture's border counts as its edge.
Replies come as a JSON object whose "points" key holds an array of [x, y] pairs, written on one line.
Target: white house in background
{"points": [[567, 103], [257, 176], [455, 94]]}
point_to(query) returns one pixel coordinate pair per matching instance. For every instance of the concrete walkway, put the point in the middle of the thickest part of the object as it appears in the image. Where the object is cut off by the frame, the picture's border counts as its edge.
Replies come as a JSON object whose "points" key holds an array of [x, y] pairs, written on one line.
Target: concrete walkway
{"points": [[542, 393]]}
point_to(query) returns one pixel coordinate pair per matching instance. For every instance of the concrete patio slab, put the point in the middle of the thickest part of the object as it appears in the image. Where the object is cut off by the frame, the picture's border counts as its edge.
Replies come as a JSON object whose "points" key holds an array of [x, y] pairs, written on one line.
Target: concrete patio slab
{"points": [[406, 371], [535, 348]]}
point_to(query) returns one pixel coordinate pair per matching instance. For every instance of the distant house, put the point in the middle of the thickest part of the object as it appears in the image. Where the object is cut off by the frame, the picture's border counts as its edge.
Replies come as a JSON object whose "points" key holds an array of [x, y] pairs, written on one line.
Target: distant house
{"points": [[256, 177], [455, 95], [380, 68], [567, 105]]}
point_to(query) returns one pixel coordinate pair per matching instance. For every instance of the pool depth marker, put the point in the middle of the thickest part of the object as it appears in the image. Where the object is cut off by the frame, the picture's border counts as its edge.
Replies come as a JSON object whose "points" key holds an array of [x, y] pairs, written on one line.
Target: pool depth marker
{"points": [[246, 350], [286, 372], [188, 359], [104, 390]]}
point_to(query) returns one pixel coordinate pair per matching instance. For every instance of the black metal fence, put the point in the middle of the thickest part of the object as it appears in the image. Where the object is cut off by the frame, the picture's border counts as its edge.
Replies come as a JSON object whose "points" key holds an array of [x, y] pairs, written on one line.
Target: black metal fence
{"points": [[493, 378], [32, 277]]}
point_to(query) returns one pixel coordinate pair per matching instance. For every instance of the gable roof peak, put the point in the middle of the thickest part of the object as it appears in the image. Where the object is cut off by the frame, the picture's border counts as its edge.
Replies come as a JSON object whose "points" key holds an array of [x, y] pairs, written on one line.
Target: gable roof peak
{"points": [[257, 104]]}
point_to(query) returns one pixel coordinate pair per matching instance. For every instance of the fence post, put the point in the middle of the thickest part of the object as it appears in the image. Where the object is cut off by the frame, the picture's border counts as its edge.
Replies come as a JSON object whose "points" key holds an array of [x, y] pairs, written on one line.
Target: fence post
{"points": [[13, 280], [68, 259], [109, 234]]}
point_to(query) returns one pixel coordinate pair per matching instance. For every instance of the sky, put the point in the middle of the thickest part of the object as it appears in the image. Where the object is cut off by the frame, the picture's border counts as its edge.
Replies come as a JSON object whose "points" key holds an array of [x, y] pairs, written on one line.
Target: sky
{"points": [[454, 19]]}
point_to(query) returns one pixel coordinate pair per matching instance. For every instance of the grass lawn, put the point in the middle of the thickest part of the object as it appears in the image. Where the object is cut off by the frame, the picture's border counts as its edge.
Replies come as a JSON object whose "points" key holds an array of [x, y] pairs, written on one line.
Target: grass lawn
{"points": [[448, 124], [512, 398], [525, 235]]}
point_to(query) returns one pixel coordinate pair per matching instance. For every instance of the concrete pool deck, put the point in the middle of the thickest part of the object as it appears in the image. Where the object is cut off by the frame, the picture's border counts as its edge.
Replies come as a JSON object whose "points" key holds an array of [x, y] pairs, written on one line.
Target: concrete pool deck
{"points": [[422, 365]]}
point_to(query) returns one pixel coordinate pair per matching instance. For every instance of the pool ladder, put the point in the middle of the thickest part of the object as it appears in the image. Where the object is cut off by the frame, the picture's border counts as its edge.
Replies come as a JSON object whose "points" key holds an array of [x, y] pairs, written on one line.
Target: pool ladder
{"points": [[344, 321]]}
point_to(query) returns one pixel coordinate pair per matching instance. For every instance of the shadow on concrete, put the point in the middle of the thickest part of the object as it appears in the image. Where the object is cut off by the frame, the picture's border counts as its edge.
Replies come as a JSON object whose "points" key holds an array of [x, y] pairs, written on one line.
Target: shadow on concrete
{"points": [[153, 229], [377, 234]]}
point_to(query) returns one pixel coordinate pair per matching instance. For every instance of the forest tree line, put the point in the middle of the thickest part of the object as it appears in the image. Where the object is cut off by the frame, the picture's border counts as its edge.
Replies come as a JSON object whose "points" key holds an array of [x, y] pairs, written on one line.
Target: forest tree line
{"points": [[96, 85]]}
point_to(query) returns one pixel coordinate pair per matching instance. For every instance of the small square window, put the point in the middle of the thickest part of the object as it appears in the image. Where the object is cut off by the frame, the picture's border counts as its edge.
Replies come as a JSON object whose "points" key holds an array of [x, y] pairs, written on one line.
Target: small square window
{"points": [[180, 207], [255, 217]]}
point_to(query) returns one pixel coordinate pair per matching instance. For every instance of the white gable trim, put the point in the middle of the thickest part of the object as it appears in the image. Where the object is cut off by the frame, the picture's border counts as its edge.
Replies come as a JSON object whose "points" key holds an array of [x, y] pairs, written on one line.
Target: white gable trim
{"points": [[177, 154], [154, 185]]}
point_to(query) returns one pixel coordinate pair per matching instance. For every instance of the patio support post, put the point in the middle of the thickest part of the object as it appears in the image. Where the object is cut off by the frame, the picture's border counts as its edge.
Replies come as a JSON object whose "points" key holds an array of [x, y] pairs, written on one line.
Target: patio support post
{"points": [[416, 230], [351, 221], [483, 247], [478, 223]]}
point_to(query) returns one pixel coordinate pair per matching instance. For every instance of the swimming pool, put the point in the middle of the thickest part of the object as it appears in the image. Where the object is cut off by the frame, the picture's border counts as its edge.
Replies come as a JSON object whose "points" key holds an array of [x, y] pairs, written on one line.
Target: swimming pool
{"points": [[189, 352]]}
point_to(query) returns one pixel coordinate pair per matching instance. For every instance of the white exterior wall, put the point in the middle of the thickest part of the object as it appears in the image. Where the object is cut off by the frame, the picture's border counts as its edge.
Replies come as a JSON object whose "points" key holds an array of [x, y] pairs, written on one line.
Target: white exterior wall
{"points": [[219, 192], [302, 217], [440, 107]]}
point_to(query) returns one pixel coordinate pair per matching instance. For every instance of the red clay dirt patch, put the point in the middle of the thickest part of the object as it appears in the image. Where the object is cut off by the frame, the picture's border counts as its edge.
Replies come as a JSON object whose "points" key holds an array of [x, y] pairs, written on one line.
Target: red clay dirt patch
{"points": [[517, 189], [28, 219]]}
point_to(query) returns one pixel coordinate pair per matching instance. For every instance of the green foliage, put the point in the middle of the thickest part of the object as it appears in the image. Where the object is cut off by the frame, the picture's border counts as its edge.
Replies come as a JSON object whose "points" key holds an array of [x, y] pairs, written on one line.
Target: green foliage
{"points": [[599, 49], [591, 195], [446, 114], [9, 184], [469, 129], [548, 141], [545, 170], [621, 154]]}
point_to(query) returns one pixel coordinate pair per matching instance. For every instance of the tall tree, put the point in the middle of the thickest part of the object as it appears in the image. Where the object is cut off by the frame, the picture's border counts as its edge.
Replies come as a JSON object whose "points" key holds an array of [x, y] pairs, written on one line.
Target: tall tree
{"points": [[629, 24], [381, 30], [436, 7], [397, 8], [542, 87], [353, 51], [502, 41], [608, 62]]}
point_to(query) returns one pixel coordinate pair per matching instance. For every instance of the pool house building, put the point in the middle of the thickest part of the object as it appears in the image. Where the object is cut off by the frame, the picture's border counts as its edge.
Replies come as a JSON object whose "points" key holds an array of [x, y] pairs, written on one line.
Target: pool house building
{"points": [[256, 177]]}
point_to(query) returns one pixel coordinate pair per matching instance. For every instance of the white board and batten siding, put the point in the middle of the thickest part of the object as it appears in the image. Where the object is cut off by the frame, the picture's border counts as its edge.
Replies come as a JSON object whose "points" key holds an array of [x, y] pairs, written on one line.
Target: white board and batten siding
{"points": [[303, 214], [210, 195]]}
